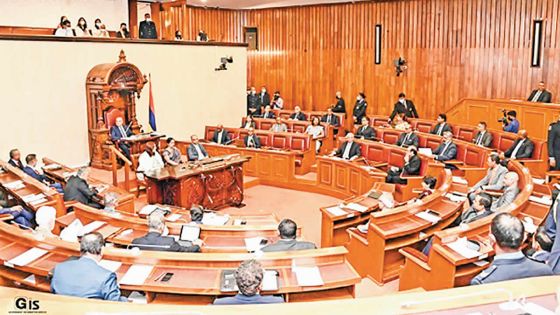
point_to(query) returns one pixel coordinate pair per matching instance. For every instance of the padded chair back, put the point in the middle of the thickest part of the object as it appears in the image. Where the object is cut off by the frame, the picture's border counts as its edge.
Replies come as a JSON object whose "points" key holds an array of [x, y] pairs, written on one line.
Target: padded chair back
{"points": [[111, 116]]}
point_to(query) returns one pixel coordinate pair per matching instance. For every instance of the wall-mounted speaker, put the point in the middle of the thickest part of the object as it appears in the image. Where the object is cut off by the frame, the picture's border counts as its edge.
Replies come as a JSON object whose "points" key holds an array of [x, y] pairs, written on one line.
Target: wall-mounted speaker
{"points": [[378, 44], [537, 43]]}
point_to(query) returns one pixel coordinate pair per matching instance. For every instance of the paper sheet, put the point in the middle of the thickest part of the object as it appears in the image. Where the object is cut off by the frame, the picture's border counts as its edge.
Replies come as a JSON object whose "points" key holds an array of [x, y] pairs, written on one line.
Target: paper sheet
{"points": [[15, 185], [425, 151], [147, 209], [30, 279], [110, 265], [356, 207], [253, 244], [174, 217], [189, 233], [545, 200], [33, 197], [425, 215], [136, 274], [460, 246], [336, 211], [214, 219], [38, 201], [538, 181], [92, 227], [459, 180], [51, 166], [308, 276], [27, 257], [455, 198], [270, 280]]}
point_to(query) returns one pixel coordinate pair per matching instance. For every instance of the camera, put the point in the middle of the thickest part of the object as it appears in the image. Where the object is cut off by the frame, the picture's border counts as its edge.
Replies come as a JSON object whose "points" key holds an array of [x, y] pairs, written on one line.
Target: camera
{"points": [[400, 66], [223, 63], [504, 120]]}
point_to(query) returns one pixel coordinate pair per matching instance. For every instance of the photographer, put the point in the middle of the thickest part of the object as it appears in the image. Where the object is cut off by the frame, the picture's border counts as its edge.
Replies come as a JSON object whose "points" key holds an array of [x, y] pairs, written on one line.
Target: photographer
{"points": [[510, 122]]}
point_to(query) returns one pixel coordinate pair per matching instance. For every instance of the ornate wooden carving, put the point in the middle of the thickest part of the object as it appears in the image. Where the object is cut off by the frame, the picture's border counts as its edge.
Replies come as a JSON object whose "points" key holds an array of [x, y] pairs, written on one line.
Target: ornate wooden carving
{"points": [[111, 90]]}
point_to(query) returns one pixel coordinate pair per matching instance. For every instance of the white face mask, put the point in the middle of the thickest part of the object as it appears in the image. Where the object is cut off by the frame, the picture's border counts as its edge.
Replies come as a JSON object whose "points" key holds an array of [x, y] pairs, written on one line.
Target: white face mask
{"points": [[358, 99], [149, 19]]}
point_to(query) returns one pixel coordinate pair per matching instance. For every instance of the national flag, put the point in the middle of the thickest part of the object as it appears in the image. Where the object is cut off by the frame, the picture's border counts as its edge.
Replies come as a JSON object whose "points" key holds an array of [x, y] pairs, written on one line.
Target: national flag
{"points": [[151, 109]]}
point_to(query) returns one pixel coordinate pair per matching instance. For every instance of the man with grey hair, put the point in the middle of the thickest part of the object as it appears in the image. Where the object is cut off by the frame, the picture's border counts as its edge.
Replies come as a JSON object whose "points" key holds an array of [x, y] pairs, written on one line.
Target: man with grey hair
{"points": [[249, 276], [78, 189], [349, 150], [84, 277], [506, 236], [510, 192], [154, 240]]}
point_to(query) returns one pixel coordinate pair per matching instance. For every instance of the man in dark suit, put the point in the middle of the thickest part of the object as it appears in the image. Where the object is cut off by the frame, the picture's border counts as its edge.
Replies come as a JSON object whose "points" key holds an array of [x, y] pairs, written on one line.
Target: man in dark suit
{"points": [[554, 145], [411, 166], [253, 103], [494, 179], [84, 277], [221, 136], [196, 151], [365, 131], [482, 138], [340, 106], [408, 138], [77, 189], [540, 95], [442, 125], [268, 113], [264, 97], [154, 240], [506, 235], [118, 132], [511, 190], [287, 230], [360, 108], [522, 148], [15, 159], [330, 118], [248, 277], [447, 150], [30, 169], [147, 28], [349, 150], [404, 106], [252, 140], [297, 114]]}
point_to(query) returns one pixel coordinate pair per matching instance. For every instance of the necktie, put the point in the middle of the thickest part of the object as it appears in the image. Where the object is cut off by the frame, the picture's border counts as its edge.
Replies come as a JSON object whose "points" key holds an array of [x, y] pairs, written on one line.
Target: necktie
{"points": [[444, 148], [123, 133], [517, 147], [405, 140], [440, 131], [251, 143], [329, 119], [555, 209], [536, 97], [479, 140]]}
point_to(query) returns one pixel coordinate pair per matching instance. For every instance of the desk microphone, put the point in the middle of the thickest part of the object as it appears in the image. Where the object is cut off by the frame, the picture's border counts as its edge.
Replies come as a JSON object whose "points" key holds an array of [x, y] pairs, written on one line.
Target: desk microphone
{"points": [[139, 246], [231, 140]]}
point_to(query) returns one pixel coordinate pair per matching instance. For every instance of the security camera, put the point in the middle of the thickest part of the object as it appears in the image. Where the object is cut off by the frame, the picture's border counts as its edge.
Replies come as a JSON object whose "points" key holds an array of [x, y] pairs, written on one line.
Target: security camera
{"points": [[223, 63]]}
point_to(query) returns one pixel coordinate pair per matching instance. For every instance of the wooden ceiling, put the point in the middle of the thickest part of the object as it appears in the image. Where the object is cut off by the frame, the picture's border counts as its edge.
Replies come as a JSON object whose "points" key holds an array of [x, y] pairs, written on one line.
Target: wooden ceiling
{"points": [[258, 4]]}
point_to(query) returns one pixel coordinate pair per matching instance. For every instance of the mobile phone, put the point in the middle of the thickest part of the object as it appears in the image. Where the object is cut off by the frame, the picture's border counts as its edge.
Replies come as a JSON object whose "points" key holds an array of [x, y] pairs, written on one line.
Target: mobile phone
{"points": [[264, 241], [167, 277], [432, 212]]}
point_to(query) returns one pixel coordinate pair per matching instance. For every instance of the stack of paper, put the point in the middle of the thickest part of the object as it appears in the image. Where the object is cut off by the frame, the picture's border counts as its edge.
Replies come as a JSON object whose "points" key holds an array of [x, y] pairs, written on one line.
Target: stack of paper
{"points": [[336, 211], [110, 265], [174, 217], [33, 197], [53, 166], [545, 200], [214, 219], [270, 280], [253, 244], [356, 207], [455, 198], [308, 276], [425, 151], [15, 185], [68, 174], [137, 274], [425, 215], [460, 246], [92, 227], [538, 181], [26, 257], [459, 180]]}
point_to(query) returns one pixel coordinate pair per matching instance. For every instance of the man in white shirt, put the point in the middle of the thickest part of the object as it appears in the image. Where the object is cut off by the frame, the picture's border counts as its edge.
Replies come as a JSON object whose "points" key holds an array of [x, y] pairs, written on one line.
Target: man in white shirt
{"points": [[196, 151], [65, 30], [149, 161], [522, 148]]}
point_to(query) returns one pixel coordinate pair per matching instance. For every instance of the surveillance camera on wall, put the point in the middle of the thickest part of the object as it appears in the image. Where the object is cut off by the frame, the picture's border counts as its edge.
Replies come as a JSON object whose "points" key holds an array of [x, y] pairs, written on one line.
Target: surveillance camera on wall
{"points": [[400, 66], [223, 63]]}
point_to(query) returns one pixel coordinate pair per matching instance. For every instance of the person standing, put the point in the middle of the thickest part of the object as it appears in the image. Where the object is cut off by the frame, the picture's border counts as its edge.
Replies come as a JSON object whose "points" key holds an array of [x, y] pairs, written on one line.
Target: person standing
{"points": [[148, 28], [404, 106], [264, 97], [253, 103], [123, 31], [554, 145], [340, 106], [360, 108]]}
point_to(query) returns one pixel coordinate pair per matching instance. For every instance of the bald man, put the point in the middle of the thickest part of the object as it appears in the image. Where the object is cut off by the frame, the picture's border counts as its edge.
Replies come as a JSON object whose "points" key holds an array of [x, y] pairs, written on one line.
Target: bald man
{"points": [[510, 191], [522, 148], [118, 132]]}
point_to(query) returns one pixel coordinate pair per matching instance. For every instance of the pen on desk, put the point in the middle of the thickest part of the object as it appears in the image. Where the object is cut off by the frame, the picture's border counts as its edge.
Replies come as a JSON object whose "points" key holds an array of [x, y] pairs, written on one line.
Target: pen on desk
{"points": [[159, 277]]}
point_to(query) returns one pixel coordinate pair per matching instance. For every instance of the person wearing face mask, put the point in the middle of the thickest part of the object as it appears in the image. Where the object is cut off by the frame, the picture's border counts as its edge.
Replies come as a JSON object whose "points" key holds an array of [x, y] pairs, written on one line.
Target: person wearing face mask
{"points": [[340, 106], [83, 30], [99, 30], [65, 29], [360, 108], [123, 31], [149, 161], [404, 106], [277, 102], [201, 36], [253, 103], [178, 35], [148, 28], [264, 97]]}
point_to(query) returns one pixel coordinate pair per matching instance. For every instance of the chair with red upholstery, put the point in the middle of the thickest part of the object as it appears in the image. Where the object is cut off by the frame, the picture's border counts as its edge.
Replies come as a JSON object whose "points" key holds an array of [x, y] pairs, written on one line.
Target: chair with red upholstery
{"points": [[280, 141], [110, 115]]}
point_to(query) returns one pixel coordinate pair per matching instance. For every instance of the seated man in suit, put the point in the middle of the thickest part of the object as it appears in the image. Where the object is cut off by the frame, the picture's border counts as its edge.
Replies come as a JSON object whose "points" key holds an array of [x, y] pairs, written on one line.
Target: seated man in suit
{"points": [[84, 277], [447, 150], [404, 106], [297, 115], [20, 215], [118, 132], [31, 170], [540, 95], [510, 192], [15, 159], [78, 189], [522, 148], [287, 229], [221, 135], [330, 118], [252, 140], [196, 151], [411, 166], [482, 138], [442, 125], [542, 246], [506, 235], [494, 179], [248, 277], [408, 138], [249, 123], [349, 150], [155, 239], [268, 113], [149, 161], [365, 131], [279, 126]]}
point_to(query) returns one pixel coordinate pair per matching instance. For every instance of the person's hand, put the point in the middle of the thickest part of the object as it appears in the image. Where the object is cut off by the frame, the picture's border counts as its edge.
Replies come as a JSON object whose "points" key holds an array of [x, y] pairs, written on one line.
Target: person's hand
{"points": [[198, 242], [394, 169], [552, 162], [502, 156], [17, 208], [478, 191]]}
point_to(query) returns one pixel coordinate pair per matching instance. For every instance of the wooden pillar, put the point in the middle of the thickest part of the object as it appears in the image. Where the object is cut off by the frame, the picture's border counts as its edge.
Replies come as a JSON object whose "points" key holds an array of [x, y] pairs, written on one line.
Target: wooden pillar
{"points": [[156, 8], [133, 18]]}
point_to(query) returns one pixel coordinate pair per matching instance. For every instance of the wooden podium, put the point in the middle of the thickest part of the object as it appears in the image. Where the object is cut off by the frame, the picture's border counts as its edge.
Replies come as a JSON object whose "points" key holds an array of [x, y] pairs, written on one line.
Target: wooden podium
{"points": [[213, 183]]}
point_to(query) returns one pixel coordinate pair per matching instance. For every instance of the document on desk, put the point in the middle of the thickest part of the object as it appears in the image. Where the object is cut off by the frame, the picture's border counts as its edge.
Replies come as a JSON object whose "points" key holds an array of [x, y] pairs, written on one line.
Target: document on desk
{"points": [[26, 257], [270, 280], [356, 207], [53, 166], [15, 185], [110, 265], [545, 200], [254, 244], [308, 276], [92, 227], [33, 197], [426, 215], [425, 151], [336, 211], [460, 246], [174, 217], [459, 180], [136, 274], [455, 198], [214, 219]]}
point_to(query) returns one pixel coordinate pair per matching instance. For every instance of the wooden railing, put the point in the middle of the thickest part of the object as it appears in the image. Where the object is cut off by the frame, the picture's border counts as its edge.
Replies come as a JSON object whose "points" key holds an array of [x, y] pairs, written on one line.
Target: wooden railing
{"points": [[115, 169]]}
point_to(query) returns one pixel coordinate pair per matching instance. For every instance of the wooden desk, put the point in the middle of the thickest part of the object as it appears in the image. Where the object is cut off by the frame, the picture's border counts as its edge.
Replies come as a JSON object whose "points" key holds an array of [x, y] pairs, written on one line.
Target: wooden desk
{"points": [[196, 275], [31, 186], [125, 201], [213, 183], [137, 142]]}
